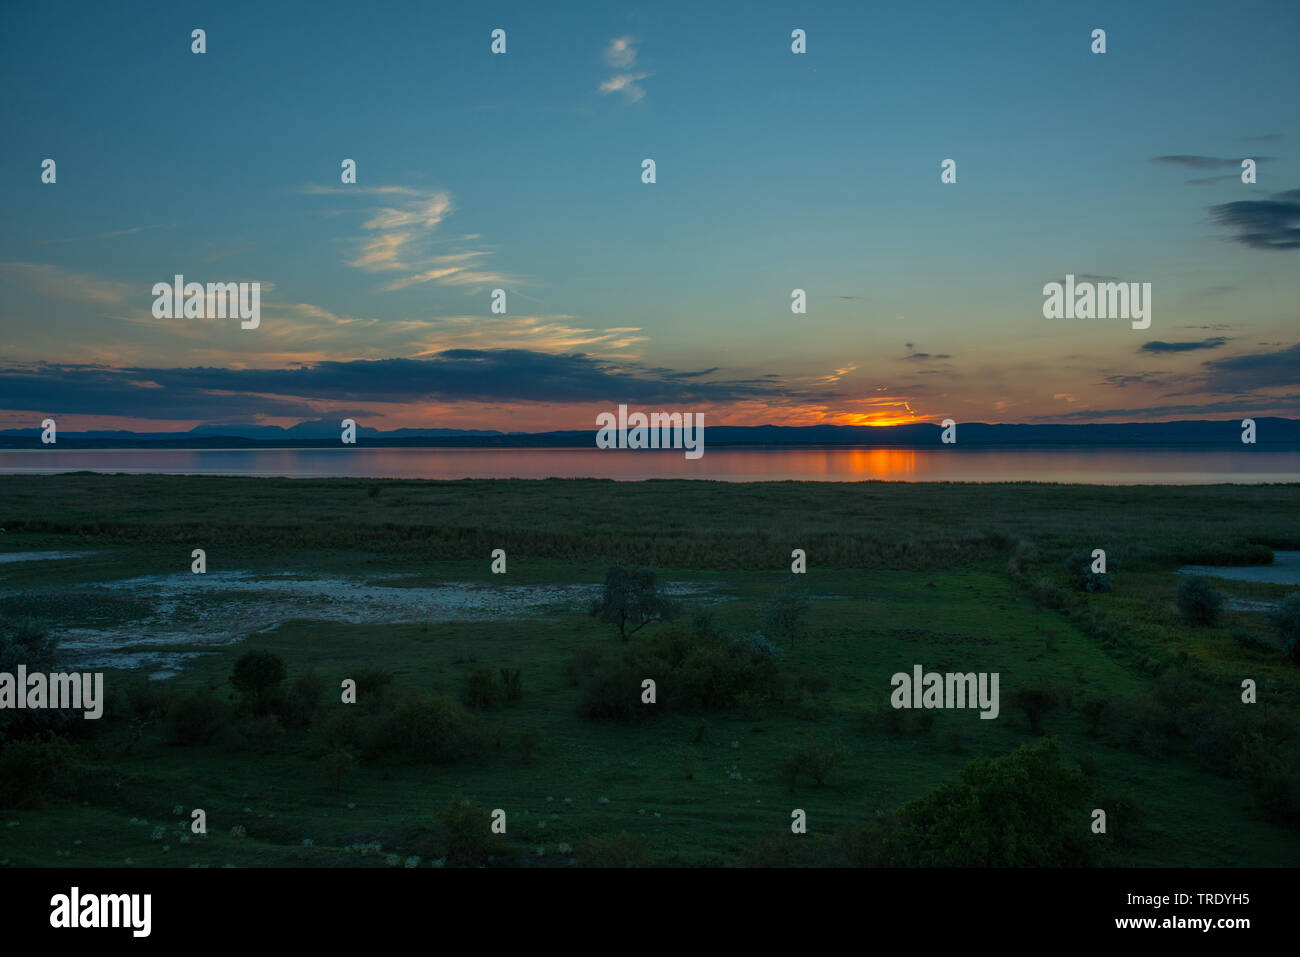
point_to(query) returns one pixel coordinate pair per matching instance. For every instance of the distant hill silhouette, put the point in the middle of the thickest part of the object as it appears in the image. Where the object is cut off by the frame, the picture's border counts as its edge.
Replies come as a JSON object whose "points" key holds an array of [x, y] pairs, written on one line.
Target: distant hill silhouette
{"points": [[1269, 431]]}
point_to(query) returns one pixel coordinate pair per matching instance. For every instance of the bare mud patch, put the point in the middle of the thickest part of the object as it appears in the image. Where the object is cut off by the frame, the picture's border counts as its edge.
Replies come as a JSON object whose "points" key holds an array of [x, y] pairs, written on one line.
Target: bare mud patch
{"points": [[192, 612]]}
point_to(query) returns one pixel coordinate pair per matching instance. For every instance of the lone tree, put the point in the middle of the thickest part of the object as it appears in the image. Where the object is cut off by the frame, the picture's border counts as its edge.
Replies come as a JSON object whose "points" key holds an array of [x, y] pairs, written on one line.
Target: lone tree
{"points": [[632, 600], [257, 677]]}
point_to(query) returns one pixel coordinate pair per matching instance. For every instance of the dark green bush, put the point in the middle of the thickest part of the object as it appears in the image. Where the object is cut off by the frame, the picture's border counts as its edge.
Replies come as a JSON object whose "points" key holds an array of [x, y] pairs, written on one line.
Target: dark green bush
{"points": [[512, 684], [1035, 701], [424, 729], [1024, 809], [614, 850], [693, 672], [35, 770], [1082, 578], [194, 719], [1248, 640], [375, 689], [481, 689], [467, 836], [1198, 602], [257, 677], [815, 759]]}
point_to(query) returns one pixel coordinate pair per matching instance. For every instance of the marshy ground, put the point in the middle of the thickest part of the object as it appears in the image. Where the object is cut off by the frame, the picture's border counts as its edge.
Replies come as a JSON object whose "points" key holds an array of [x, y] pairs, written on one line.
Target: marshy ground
{"points": [[342, 576]]}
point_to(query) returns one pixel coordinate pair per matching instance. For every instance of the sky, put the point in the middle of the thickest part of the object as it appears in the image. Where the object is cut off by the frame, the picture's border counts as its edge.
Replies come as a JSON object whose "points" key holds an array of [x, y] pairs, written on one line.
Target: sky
{"points": [[522, 171]]}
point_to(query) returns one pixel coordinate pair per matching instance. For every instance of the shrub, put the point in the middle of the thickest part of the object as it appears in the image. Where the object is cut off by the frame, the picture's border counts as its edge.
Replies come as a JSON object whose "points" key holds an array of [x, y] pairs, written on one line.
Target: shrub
{"points": [[787, 612], [27, 641], [374, 688], [693, 672], [1123, 817], [1019, 810], [424, 729], [1082, 578], [512, 684], [878, 844], [194, 719], [1036, 701], [340, 730], [1045, 593], [614, 850], [1285, 619], [1198, 602], [1248, 640], [481, 689], [148, 700], [261, 734], [299, 705], [34, 770], [257, 675], [815, 760], [614, 694], [467, 836]]}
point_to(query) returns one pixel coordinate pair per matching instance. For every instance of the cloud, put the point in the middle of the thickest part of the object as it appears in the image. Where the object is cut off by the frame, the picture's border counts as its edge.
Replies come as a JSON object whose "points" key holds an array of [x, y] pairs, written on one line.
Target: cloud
{"points": [[621, 52], [110, 235], [1253, 371], [56, 283], [1199, 162], [399, 236], [1155, 345], [463, 375], [1140, 378], [1263, 223], [627, 84], [913, 354]]}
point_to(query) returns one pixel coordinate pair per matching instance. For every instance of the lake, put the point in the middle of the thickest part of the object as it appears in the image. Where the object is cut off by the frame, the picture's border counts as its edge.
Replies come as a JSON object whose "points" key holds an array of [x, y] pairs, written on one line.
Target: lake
{"points": [[1088, 465]]}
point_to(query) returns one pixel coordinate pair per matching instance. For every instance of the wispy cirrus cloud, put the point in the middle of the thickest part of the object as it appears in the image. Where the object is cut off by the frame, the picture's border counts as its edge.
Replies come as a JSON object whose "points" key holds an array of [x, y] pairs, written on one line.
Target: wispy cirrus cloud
{"points": [[54, 282], [621, 53], [399, 234]]}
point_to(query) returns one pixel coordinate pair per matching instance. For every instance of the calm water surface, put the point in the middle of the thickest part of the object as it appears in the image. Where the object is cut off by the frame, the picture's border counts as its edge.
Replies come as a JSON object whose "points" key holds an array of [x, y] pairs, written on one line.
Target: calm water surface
{"points": [[1098, 466]]}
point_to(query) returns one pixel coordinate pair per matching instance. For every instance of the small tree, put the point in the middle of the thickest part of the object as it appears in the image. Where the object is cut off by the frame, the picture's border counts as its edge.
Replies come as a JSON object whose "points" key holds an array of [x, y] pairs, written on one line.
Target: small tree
{"points": [[257, 676], [632, 600], [787, 612], [1198, 602]]}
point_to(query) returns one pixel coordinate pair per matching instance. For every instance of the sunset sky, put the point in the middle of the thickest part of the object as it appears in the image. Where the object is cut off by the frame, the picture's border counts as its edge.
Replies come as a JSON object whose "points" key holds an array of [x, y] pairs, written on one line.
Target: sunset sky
{"points": [[522, 171]]}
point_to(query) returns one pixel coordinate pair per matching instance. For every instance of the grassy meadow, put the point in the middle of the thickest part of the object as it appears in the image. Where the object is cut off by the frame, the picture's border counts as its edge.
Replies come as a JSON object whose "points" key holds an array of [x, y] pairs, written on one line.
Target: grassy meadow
{"points": [[1145, 708]]}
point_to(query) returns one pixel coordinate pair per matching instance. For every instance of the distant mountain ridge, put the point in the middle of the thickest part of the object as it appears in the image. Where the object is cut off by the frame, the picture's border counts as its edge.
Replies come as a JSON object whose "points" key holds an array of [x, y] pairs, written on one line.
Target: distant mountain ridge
{"points": [[322, 433]]}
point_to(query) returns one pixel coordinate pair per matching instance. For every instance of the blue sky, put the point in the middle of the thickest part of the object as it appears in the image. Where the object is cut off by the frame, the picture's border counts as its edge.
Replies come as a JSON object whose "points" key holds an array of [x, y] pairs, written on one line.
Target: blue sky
{"points": [[775, 171]]}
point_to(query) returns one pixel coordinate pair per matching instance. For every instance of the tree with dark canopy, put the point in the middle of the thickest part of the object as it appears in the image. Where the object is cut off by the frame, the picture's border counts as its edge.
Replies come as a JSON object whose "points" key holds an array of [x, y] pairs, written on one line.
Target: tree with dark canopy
{"points": [[632, 600]]}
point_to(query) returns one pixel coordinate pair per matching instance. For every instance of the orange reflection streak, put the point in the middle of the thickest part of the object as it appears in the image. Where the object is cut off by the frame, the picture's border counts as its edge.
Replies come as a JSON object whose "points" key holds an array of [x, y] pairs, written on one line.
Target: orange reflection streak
{"points": [[883, 463]]}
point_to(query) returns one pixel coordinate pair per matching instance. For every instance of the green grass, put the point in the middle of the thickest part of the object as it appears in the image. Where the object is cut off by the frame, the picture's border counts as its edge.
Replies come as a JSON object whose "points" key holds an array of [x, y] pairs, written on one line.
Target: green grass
{"points": [[931, 589]]}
